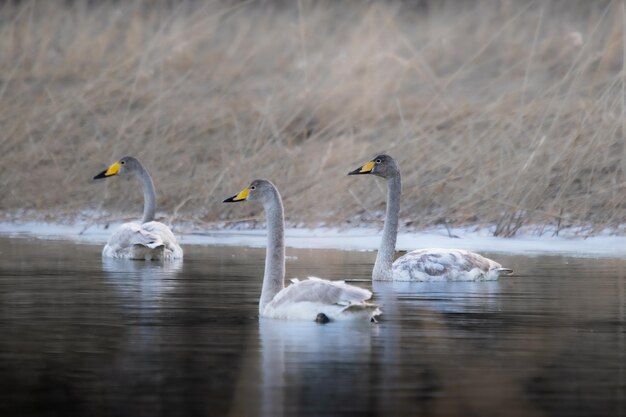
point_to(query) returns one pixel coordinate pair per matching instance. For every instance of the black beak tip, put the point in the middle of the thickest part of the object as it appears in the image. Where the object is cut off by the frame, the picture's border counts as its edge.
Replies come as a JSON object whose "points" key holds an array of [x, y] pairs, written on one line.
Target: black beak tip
{"points": [[356, 171], [230, 199], [100, 175]]}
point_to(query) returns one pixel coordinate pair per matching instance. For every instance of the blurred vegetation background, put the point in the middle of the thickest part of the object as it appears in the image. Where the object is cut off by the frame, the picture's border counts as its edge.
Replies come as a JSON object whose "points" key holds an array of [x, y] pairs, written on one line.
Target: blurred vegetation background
{"points": [[500, 113]]}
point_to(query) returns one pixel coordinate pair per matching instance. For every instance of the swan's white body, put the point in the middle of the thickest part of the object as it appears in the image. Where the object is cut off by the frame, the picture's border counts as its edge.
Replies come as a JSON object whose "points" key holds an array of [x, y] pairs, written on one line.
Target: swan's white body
{"points": [[151, 241], [434, 264], [148, 240], [431, 264], [302, 300]]}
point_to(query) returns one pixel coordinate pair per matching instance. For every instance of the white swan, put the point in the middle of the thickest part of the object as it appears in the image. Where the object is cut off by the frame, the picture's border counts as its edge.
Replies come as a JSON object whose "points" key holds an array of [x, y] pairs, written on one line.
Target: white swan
{"points": [[421, 264], [149, 240], [312, 299]]}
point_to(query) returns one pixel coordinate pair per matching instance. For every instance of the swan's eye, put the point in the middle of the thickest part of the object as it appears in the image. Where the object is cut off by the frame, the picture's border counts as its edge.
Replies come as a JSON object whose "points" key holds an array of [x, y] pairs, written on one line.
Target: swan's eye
{"points": [[378, 161], [122, 162], [253, 188]]}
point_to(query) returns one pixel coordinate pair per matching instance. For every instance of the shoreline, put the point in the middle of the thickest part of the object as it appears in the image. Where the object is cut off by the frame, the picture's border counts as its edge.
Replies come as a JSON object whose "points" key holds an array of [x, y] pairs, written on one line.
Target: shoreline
{"points": [[350, 239]]}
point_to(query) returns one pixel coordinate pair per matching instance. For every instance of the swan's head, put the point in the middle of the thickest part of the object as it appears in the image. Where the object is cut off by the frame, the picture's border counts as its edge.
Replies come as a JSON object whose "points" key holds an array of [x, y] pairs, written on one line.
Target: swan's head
{"points": [[259, 190], [126, 165], [381, 166]]}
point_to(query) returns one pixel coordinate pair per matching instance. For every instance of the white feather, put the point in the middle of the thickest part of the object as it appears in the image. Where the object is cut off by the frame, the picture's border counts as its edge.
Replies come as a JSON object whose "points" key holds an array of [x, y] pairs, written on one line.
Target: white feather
{"points": [[149, 241]]}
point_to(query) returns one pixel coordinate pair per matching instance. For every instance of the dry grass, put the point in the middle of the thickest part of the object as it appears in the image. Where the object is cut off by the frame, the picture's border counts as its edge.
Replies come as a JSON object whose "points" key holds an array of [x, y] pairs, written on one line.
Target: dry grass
{"points": [[500, 113]]}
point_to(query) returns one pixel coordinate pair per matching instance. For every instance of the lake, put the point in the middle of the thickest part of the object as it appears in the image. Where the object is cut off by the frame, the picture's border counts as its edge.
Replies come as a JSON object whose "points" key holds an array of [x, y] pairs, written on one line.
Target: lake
{"points": [[83, 336]]}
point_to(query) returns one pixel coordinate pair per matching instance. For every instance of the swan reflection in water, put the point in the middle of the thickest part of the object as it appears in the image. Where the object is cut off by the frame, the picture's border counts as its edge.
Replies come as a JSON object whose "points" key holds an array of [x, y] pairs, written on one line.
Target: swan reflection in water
{"points": [[303, 368], [142, 284], [143, 288], [425, 325], [439, 297]]}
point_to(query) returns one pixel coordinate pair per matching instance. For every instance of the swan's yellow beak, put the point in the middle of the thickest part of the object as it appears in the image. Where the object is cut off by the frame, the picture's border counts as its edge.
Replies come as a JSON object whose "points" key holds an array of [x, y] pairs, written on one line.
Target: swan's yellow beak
{"points": [[242, 196], [365, 169], [110, 171]]}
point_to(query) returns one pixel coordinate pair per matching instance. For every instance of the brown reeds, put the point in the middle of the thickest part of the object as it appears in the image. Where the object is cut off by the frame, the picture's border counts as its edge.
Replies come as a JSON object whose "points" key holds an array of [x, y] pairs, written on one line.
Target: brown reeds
{"points": [[502, 113]]}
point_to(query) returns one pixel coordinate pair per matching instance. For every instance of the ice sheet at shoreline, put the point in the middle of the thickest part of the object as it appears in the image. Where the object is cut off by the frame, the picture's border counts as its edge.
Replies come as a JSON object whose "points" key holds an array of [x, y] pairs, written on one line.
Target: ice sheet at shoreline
{"points": [[348, 239]]}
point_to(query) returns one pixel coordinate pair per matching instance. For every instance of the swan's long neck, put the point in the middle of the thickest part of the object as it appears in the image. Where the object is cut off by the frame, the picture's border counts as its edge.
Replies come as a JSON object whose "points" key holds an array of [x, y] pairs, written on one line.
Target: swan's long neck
{"points": [[274, 277], [149, 195], [384, 259]]}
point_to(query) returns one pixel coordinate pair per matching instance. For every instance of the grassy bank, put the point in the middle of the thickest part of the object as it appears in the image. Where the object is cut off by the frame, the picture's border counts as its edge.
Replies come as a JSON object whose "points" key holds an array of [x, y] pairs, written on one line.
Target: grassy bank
{"points": [[500, 113]]}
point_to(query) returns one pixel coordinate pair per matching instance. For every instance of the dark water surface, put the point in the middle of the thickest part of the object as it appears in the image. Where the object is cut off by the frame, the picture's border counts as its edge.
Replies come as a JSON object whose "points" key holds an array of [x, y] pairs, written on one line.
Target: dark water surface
{"points": [[79, 336]]}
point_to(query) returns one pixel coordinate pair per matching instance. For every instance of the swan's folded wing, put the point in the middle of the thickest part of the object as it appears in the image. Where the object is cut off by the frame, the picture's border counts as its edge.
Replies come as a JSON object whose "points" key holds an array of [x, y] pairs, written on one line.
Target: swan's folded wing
{"points": [[169, 241], [130, 234], [144, 238], [443, 264], [316, 290], [159, 229]]}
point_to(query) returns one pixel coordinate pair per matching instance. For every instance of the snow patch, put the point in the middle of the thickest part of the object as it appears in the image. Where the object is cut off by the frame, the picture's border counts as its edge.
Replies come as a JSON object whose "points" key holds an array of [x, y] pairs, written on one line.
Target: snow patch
{"points": [[359, 239]]}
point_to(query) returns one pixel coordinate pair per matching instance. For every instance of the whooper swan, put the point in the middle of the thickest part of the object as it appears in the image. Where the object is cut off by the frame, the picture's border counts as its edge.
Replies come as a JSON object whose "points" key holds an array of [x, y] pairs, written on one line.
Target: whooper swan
{"points": [[149, 240], [313, 299], [423, 264]]}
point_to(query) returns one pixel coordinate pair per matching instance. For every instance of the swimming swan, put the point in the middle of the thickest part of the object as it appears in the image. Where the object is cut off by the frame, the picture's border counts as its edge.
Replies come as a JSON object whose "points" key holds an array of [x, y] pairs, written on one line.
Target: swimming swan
{"points": [[149, 240], [313, 299], [422, 264]]}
